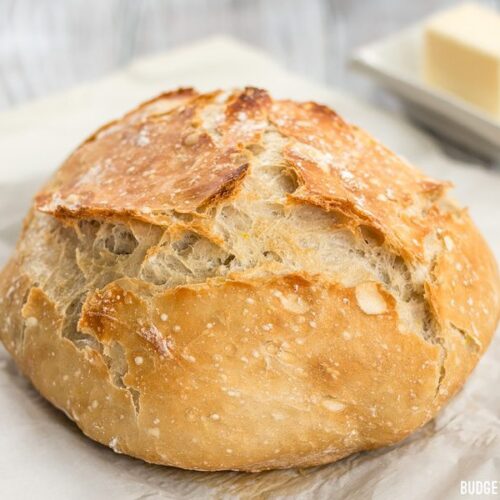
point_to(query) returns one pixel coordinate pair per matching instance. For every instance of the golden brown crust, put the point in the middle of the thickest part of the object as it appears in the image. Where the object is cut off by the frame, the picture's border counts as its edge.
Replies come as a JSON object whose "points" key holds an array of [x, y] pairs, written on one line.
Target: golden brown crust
{"points": [[355, 173], [163, 163], [226, 281], [208, 402], [464, 292]]}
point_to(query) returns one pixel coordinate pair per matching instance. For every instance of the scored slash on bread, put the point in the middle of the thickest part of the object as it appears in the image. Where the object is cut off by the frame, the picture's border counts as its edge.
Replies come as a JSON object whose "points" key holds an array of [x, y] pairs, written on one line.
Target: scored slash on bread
{"points": [[227, 281]]}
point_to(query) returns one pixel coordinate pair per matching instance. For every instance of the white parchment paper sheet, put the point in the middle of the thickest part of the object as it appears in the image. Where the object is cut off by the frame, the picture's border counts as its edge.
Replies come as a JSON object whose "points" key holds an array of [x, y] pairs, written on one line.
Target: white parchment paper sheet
{"points": [[44, 456]]}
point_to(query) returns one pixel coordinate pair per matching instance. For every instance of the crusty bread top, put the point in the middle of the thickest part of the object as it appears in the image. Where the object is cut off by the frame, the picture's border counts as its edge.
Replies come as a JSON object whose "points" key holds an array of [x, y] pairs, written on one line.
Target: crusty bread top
{"points": [[184, 150]]}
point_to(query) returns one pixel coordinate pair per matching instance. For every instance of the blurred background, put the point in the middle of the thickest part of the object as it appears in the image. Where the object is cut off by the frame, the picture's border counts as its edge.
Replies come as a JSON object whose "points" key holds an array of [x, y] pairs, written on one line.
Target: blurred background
{"points": [[49, 45]]}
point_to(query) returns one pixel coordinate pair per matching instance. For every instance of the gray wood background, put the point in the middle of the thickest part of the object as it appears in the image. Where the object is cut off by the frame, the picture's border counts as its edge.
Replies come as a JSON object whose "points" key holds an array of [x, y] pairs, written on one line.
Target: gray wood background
{"points": [[49, 45]]}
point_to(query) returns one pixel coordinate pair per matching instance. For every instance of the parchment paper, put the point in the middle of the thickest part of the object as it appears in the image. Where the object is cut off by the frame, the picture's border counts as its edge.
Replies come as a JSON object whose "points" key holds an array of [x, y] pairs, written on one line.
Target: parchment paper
{"points": [[44, 456]]}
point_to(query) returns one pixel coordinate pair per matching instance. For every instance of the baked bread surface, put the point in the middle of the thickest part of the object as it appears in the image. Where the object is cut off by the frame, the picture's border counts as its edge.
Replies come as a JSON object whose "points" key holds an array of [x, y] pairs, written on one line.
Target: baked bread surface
{"points": [[227, 281]]}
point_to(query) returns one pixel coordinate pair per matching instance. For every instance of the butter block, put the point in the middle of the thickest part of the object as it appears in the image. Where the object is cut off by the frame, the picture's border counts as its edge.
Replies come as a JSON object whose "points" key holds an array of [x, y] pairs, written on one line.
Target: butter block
{"points": [[462, 55]]}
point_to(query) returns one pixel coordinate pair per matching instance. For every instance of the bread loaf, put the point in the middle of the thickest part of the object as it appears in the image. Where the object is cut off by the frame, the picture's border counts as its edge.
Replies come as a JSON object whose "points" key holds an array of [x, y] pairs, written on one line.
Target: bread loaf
{"points": [[227, 281]]}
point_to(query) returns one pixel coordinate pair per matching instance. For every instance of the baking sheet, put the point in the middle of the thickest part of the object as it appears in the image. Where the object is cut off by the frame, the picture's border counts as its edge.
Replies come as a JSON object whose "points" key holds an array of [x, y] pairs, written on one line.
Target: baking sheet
{"points": [[44, 456]]}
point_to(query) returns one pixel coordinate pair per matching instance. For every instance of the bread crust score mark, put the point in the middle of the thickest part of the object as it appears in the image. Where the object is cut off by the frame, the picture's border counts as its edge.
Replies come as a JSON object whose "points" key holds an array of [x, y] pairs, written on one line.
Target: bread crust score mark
{"points": [[227, 281]]}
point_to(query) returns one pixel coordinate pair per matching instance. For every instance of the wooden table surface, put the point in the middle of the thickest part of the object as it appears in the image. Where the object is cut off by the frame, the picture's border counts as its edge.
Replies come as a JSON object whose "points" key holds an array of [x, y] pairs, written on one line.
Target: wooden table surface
{"points": [[50, 45]]}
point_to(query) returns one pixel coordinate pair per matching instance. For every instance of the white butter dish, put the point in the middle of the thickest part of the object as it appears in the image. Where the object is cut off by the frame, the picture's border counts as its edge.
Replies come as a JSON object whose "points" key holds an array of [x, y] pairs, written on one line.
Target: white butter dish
{"points": [[395, 62]]}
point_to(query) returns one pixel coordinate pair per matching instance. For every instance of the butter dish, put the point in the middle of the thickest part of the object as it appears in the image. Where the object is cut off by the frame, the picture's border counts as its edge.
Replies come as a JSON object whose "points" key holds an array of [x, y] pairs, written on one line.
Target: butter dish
{"points": [[395, 62]]}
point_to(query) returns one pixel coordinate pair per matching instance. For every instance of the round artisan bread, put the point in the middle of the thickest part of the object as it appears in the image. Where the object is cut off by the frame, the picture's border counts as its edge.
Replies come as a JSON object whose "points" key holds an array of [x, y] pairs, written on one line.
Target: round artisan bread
{"points": [[227, 281]]}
